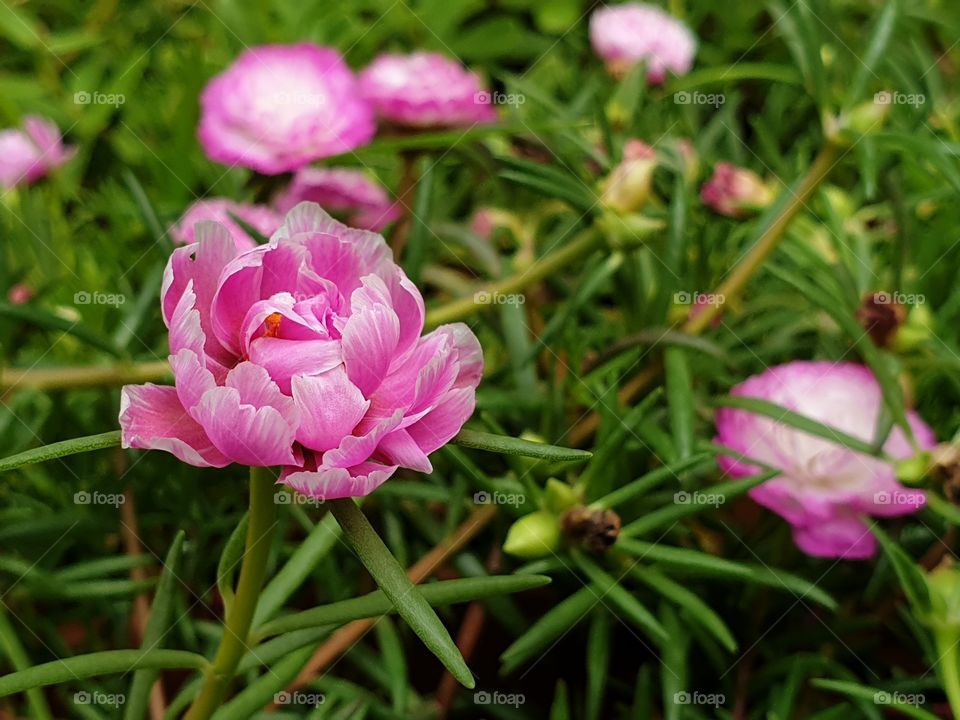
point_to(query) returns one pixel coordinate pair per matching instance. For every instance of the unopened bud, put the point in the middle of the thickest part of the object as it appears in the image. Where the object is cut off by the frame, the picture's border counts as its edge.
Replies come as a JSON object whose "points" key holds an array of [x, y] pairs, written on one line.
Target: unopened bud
{"points": [[533, 536], [735, 192]]}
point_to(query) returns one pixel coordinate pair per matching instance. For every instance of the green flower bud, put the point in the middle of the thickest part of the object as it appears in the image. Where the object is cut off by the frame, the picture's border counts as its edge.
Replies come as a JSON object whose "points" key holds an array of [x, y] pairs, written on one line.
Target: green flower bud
{"points": [[560, 497], [533, 536]]}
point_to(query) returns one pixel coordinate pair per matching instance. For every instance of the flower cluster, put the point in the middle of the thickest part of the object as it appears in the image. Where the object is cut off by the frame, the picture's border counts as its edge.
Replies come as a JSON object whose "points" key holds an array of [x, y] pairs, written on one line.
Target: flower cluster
{"points": [[30, 152]]}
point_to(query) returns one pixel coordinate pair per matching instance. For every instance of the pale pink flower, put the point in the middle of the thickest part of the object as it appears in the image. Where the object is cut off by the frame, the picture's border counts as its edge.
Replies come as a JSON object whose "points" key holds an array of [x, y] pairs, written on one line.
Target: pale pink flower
{"points": [[631, 33], [304, 353], [425, 89], [261, 218], [735, 192], [825, 489], [20, 294], [30, 152], [350, 194], [279, 107]]}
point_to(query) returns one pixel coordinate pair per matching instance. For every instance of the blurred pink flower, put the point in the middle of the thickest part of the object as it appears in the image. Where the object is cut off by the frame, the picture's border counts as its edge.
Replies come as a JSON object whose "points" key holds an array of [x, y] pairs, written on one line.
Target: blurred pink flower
{"points": [[363, 203], [627, 34], [425, 89], [29, 153], [279, 107], [20, 294], [261, 218], [735, 192], [824, 489], [304, 353]]}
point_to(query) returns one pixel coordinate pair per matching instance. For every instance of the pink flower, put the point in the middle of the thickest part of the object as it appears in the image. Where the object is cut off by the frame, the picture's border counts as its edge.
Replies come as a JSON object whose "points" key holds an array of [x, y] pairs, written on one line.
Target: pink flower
{"points": [[29, 153], [824, 489], [627, 34], [279, 107], [425, 89], [261, 218], [20, 294], [304, 353], [362, 202], [735, 192]]}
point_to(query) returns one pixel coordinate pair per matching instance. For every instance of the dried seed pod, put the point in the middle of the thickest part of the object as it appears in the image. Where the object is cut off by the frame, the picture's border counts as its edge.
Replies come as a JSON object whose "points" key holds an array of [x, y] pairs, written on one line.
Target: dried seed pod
{"points": [[596, 530]]}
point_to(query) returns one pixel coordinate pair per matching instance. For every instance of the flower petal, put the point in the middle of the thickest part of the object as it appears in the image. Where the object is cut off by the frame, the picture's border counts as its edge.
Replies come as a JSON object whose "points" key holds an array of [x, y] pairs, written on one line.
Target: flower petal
{"points": [[330, 408], [369, 341]]}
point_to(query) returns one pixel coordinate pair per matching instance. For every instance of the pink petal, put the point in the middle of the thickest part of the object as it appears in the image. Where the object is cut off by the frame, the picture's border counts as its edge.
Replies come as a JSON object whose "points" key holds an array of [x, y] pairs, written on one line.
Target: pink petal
{"points": [[444, 421], [843, 537], [327, 483], [285, 358], [399, 448], [246, 434], [152, 418], [369, 342], [330, 408]]}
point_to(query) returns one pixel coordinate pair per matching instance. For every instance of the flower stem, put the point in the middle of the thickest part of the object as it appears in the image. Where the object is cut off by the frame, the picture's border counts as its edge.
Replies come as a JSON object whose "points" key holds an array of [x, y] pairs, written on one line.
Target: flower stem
{"points": [[233, 645], [52, 378], [554, 262], [949, 667]]}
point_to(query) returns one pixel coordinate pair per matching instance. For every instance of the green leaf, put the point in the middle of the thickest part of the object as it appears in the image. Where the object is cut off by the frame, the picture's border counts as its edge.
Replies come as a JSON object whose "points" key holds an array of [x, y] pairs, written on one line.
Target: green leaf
{"points": [[911, 577], [49, 321], [552, 625], [876, 51], [696, 607], [101, 663], [265, 688], [598, 663], [394, 662], [317, 545], [419, 227], [796, 420], [647, 482], [671, 514], [680, 400], [61, 449], [865, 692], [13, 650], [230, 560], [445, 592], [947, 510], [392, 579], [625, 601], [705, 565], [560, 710], [515, 446], [157, 626]]}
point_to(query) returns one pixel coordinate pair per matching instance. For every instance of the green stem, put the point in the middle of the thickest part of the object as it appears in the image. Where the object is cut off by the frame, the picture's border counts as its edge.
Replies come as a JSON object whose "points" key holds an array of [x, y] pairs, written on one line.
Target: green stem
{"points": [[260, 528], [52, 378], [544, 267], [949, 667], [14, 651]]}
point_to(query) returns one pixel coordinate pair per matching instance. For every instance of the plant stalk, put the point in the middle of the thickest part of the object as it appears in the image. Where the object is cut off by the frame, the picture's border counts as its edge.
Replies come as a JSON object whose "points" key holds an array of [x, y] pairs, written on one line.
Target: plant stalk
{"points": [[233, 645]]}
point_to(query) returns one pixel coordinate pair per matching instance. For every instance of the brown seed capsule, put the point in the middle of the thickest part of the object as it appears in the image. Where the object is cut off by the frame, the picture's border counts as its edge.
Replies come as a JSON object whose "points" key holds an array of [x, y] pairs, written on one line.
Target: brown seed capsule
{"points": [[946, 467], [596, 530], [881, 316]]}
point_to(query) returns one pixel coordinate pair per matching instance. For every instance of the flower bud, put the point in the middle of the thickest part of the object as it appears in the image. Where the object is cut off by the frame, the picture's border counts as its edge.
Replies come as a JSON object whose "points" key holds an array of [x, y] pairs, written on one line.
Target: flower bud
{"points": [[559, 496], [735, 192], [943, 582], [917, 330], [911, 471], [533, 536], [627, 187]]}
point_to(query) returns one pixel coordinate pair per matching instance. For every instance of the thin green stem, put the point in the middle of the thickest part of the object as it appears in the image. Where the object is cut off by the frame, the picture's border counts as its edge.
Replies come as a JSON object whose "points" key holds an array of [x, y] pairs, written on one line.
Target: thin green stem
{"points": [[260, 528], [10, 644], [949, 664], [544, 267], [52, 378]]}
